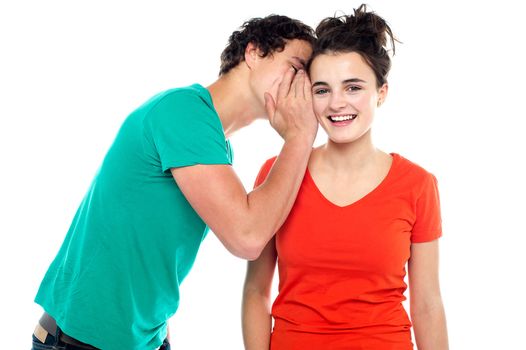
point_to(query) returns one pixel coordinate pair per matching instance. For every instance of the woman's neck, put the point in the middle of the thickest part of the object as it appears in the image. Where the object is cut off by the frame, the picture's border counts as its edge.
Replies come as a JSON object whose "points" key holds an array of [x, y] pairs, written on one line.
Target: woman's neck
{"points": [[341, 157]]}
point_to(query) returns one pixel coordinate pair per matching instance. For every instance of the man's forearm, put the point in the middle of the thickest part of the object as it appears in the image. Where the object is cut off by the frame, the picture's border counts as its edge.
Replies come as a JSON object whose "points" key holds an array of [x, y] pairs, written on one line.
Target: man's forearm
{"points": [[270, 203]]}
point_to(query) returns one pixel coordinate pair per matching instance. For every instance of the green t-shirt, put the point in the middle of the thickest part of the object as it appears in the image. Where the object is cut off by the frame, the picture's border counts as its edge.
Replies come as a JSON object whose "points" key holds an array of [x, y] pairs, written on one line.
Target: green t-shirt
{"points": [[115, 281]]}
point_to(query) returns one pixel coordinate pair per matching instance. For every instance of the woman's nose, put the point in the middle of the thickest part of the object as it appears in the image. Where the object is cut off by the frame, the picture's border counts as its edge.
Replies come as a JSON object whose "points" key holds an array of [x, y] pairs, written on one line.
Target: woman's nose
{"points": [[337, 101]]}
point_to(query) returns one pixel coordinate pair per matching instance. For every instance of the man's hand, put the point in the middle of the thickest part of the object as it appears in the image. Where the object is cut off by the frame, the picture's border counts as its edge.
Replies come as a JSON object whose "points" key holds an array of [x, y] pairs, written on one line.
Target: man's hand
{"points": [[292, 114]]}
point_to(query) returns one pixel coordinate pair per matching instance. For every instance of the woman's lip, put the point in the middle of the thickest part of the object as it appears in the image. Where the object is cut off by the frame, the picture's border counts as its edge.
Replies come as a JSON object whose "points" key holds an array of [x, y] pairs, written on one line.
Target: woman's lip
{"points": [[339, 118], [342, 116], [342, 123]]}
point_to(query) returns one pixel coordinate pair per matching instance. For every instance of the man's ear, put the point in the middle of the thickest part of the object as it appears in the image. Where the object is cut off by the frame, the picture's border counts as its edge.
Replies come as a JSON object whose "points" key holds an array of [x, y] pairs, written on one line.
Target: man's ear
{"points": [[251, 55]]}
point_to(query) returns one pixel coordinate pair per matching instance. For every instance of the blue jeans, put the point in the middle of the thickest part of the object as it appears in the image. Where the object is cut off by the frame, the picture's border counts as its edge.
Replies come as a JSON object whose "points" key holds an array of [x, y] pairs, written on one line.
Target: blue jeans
{"points": [[54, 343]]}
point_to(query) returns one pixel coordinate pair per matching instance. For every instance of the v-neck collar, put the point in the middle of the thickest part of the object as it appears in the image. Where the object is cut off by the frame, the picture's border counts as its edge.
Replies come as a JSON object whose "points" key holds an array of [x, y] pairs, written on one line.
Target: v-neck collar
{"points": [[375, 190]]}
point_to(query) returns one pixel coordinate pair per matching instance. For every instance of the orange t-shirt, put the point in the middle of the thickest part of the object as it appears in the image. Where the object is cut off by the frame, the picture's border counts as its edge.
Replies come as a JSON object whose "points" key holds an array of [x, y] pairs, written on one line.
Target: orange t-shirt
{"points": [[342, 269]]}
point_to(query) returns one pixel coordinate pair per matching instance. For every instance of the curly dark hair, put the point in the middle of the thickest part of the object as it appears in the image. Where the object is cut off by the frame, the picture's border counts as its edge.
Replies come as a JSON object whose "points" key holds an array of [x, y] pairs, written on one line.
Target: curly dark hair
{"points": [[268, 34], [363, 32]]}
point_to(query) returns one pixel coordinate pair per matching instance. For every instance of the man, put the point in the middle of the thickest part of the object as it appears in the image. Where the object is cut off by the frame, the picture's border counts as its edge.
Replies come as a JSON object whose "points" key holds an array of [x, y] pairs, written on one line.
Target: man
{"points": [[115, 281]]}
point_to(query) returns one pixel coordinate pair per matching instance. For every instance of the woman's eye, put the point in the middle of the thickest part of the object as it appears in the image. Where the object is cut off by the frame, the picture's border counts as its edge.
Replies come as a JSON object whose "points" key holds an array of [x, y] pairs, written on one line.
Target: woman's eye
{"points": [[320, 91], [354, 88]]}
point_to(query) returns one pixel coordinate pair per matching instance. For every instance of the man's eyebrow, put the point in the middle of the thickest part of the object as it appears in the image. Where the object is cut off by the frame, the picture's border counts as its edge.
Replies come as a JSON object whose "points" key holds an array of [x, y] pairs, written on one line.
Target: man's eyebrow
{"points": [[300, 60]]}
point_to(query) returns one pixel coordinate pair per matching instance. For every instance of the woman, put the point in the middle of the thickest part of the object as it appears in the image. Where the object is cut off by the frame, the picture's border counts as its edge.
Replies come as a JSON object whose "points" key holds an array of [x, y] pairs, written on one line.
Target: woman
{"points": [[361, 214]]}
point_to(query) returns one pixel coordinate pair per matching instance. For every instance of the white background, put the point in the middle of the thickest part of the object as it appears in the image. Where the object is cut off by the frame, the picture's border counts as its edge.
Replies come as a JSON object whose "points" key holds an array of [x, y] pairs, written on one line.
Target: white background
{"points": [[71, 71]]}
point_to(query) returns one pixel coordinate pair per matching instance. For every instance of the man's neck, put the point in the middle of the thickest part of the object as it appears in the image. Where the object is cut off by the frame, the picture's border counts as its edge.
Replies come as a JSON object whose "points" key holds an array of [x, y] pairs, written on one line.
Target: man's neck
{"points": [[234, 102]]}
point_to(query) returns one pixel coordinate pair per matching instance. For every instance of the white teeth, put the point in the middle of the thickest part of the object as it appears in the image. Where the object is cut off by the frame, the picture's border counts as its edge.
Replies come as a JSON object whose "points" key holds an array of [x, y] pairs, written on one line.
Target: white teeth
{"points": [[341, 118]]}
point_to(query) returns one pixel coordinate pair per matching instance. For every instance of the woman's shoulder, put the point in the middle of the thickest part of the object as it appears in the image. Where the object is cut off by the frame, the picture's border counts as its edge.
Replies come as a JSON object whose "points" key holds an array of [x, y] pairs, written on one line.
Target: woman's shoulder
{"points": [[411, 169], [264, 170], [269, 162]]}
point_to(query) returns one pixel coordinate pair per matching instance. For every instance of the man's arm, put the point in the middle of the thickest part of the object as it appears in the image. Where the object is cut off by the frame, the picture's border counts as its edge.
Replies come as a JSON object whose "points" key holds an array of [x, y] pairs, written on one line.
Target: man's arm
{"points": [[245, 222]]}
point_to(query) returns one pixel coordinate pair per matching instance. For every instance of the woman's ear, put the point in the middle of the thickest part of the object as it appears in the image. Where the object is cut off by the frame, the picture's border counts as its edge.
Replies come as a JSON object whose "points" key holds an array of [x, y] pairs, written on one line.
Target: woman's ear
{"points": [[382, 94]]}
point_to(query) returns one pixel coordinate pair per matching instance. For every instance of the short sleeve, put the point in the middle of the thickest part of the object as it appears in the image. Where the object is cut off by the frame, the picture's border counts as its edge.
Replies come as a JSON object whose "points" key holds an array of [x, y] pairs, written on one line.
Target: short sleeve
{"points": [[263, 172], [428, 224], [187, 131]]}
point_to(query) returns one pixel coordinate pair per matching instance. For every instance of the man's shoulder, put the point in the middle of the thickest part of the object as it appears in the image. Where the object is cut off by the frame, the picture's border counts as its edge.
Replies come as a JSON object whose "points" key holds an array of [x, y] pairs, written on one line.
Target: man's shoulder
{"points": [[180, 103], [186, 95]]}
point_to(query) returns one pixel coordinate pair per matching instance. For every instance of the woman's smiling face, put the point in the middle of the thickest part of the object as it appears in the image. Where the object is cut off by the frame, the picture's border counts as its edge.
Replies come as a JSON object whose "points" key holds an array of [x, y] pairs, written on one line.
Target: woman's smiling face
{"points": [[345, 95]]}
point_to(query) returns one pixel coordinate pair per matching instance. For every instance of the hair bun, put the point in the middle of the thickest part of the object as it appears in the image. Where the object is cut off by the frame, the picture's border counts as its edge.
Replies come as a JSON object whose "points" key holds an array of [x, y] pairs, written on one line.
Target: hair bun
{"points": [[363, 32], [366, 27], [368, 24]]}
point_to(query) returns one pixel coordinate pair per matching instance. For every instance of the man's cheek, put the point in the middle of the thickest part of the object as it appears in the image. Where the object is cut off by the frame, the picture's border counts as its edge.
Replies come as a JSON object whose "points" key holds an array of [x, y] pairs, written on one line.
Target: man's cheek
{"points": [[275, 87]]}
